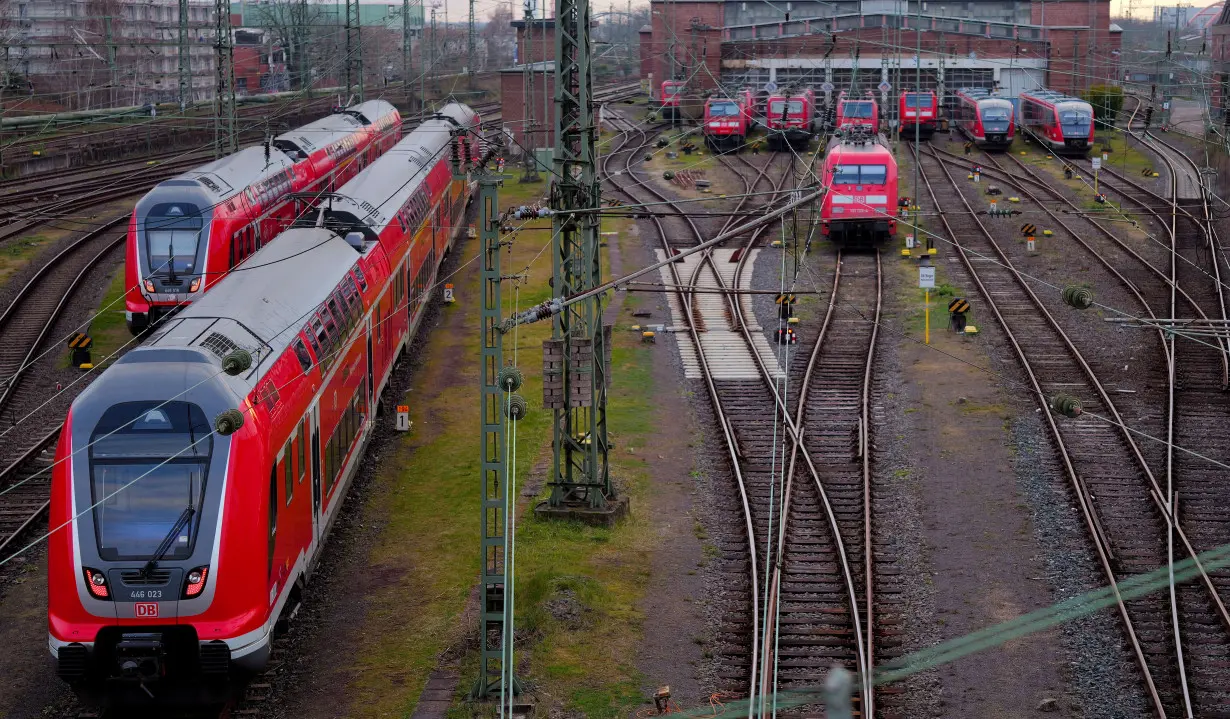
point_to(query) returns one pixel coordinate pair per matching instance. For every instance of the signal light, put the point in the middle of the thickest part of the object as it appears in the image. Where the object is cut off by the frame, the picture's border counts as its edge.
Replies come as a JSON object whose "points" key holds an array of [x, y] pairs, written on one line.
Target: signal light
{"points": [[96, 581], [194, 583]]}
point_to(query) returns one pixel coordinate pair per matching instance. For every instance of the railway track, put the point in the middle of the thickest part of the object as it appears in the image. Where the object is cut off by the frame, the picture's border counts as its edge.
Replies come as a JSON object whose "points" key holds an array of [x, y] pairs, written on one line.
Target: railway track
{"points": [[812, 612]]}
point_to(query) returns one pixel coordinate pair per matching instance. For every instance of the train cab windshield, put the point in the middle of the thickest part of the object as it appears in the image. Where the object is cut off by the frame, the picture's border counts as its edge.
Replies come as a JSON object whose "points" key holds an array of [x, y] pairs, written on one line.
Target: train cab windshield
{"points": [[671, 89], [148, 463], [995, 114], [1075, 122], [724, 108], [860, 175], [915, 99], [777, 107], [858, 110], [173, 234]]}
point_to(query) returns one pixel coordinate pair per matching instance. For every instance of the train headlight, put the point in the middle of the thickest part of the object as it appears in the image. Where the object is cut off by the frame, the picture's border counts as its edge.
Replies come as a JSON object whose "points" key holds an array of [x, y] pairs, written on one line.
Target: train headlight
{"points": [[196, 285], [96, 581], [194, 583], [149, 286]]}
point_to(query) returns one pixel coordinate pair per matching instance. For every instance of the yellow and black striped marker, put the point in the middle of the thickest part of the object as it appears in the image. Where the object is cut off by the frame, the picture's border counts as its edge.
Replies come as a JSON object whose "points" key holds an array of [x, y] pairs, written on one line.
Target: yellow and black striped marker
{"points": [[80, 341], [960, 305], [1028, 229]]}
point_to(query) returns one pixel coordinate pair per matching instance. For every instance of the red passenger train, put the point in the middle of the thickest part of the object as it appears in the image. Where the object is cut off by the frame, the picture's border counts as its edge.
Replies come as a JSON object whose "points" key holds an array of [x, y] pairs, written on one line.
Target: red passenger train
{"points": [[986, 120], [1062, 123], [919, 113], [728, 120], [184, 541], [791, 120], [188, 232], [853, 113], [860, 174]]}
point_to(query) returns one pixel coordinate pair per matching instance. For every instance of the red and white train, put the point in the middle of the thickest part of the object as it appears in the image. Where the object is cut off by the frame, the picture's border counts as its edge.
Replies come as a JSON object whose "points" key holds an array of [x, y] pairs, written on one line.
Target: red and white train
{"points": [[988, 121], [1062, 123], [184, 545], [728, 120], [670, 101], [860, 205], [188, 232], [858, 113], [919, 113], [791, 120]]}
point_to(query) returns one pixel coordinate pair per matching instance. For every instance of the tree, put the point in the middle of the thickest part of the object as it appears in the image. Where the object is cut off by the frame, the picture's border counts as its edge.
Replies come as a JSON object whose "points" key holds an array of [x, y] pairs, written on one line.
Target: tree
{"points": [[299, 27], [1107, 101]]}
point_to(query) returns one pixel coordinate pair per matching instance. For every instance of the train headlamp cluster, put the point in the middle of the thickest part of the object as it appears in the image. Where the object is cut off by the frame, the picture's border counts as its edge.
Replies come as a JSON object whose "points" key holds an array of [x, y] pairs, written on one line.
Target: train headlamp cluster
{"points": [[194, 583], [96, 582]]}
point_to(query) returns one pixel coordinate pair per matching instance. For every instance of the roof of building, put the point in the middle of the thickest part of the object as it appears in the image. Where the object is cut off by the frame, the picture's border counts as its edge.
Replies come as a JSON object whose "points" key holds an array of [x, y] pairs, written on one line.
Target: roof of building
{"points": [[544, 66]]}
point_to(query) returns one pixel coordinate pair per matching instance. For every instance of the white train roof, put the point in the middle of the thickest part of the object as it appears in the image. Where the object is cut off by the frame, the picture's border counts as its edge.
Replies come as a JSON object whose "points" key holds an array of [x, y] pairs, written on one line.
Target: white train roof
{"points": [[330, 129]]}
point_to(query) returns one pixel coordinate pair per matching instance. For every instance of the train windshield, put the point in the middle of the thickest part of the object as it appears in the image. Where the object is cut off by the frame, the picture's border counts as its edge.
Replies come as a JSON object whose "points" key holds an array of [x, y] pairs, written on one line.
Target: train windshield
{"points": [[860, 110], [777, 107], [671, 89], [723, 109], [860, 174], [1075, 122], [995, 114], [148, 463], [915, 99], [172, 235]]}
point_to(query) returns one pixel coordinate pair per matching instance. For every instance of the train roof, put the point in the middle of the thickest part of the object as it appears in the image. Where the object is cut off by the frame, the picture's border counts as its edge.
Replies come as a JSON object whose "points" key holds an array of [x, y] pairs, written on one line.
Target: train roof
{"points": [[262, 305], [332, 128], [856, 149], [1051, 96], [226, 177], [377, 193], [979, 94]]}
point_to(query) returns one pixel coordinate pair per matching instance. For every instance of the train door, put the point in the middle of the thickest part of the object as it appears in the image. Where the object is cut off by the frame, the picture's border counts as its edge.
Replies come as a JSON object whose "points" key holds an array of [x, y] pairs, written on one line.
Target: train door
{"points": [[371, 359], [314, 420]]}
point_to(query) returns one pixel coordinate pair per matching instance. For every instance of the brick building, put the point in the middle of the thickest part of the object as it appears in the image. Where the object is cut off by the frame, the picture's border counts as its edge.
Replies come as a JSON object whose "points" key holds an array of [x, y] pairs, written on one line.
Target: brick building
{"points": [[535, 128], [1220, 53], [1012, 45]]}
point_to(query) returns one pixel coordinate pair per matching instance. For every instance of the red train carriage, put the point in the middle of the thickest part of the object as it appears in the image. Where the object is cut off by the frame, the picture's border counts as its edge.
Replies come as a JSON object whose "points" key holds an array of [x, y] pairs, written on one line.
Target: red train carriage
{"points": [[728, 120], [187, 545], [986, 120], [919, 113], [860, 205], [791, 120], [853, 113], [1062, 123], [670, 101], [188, 232]]}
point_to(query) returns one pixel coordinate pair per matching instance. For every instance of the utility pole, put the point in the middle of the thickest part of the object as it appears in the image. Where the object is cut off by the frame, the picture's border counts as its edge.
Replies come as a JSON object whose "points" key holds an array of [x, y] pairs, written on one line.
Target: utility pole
{"points": [[405, 49], [185, 57], [575, 376], [110, 57], [470, 38], [354, 50], [432, 59], [529, 126], [224, 93]]}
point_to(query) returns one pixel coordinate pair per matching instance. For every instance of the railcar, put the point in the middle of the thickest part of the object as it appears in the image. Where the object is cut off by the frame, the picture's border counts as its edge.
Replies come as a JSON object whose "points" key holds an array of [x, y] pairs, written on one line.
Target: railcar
{"points": [[188, 232], [790, 119], [670, 101], [853, 112], [919, 113], [1062, 123], [728, 120], [181, 546], [988, 121], [859, 206]]}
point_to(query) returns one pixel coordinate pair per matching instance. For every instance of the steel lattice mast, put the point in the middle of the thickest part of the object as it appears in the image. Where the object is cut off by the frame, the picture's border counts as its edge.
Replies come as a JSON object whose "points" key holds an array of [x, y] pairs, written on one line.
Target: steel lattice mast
{"points": [[354, 50], [185, 58], [224, 100], [575, 359]]}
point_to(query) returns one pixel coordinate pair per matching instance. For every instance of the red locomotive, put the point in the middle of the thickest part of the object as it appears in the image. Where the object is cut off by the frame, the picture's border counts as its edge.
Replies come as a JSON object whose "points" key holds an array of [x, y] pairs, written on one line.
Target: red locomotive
{"points": [[986, 120], [728, 120], [791, 120], [860, 174], [919, 113], [188, 232], [1062, 123], [670, 102], [186, 539], [854, 113]]}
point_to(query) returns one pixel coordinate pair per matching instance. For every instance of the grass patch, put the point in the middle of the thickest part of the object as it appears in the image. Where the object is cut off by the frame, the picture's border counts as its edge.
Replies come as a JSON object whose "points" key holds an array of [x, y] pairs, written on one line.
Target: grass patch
{"points": [[108, 329], [18, 253]]}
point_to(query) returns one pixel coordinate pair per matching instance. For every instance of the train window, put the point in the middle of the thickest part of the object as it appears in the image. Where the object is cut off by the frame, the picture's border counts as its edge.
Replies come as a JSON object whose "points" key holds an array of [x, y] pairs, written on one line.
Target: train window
{"points": [[273, 515], [288, 469], [915, 99], [335, 320], [845, 175], [301, 354], [322, 337], [995, 114], [862, 110], [873, 174], [362, 278], [300, 444]]}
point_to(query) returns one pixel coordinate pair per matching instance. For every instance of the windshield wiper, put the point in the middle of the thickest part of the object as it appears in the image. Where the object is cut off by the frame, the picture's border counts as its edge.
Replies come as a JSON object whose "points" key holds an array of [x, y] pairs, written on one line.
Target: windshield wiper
{"points": [[171, 251], [167, 541]]}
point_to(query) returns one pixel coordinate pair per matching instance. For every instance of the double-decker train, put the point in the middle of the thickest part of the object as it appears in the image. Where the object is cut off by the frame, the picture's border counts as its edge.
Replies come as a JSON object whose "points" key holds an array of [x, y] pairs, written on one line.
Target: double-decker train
{"points": [[919, 113], [193, 490], [728, 120], [791, 120], [188, 232], [1062, 123], [860, 174], [852, 112], [986, 120]]}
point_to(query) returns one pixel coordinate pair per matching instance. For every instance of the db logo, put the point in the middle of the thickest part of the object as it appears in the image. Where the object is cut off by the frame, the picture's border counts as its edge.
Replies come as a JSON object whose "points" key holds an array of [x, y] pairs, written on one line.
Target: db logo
{"points": [[147, 609]]}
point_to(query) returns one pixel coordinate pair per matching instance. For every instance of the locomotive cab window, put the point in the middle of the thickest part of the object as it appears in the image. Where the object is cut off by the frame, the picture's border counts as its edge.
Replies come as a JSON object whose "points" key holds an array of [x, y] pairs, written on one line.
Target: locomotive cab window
{"points": [[723, 109], [914, 99], [860, 175]]}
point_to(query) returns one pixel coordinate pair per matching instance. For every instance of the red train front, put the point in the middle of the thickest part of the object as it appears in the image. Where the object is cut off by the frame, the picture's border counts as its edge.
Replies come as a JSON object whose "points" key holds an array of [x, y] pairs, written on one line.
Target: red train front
{"points": [[858, 113], [1062, 123], [728, 120], [187, 539], [671, 99], [791, 120], [859, 208], [189, 231], [986, 120], [919, 113]]}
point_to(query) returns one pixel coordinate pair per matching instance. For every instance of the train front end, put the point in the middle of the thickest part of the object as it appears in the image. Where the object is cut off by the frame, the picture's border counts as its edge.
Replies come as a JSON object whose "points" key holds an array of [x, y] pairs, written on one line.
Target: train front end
{"points": [[1073, 133], [858, 210], [997, 122], [145, 603], [167, 252], [789, 121], [725, 123], [919, 114]]}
